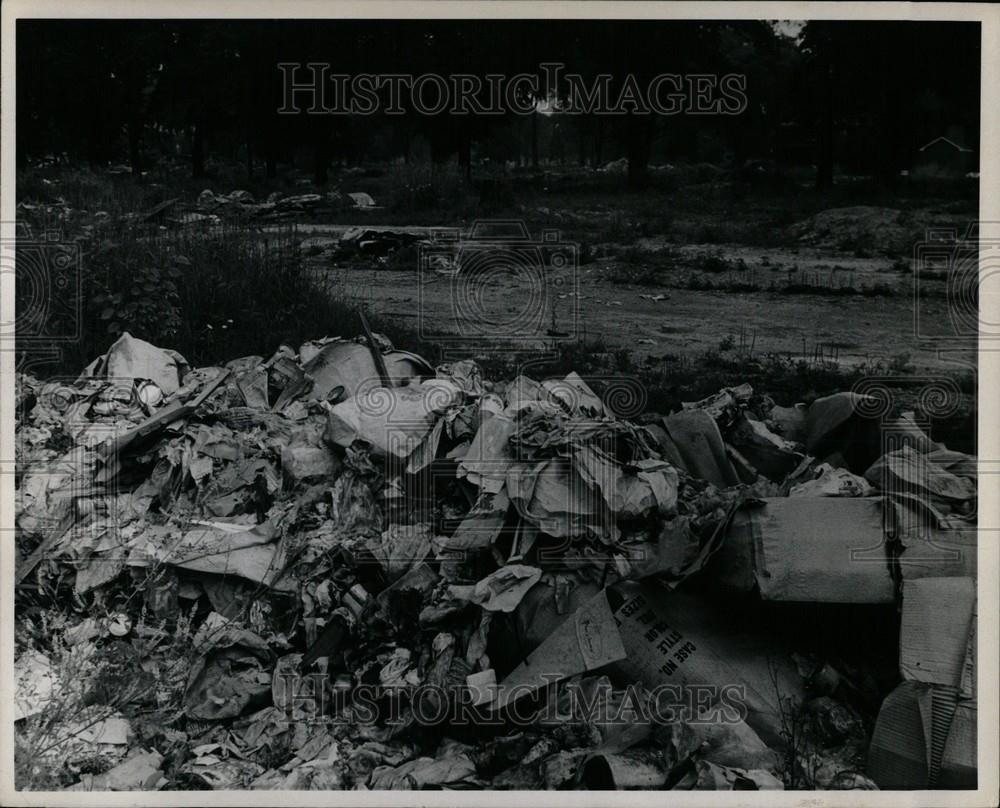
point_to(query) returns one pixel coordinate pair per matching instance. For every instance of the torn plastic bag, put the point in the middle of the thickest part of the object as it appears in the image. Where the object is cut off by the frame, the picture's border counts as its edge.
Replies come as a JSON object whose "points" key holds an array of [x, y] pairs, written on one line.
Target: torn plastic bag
{"points": [[490, 454], [723, 407], [907, 471], [425, 772], [131, 358], [628, 491], [905, 431], [140, 771], [587, 493], [303, 464], [353, 505], [34, 683], [252, 387], [465, 374], [231, 673], [223, 773], [732, 744], [87, 734], [832, 482], [550, 495], [241, 488], [772, 455], [402, 548], [502, 590], [809, 550], [218, 548], [575, 396], [481, 526], [958, 463], [394, 421], [350, 365], [523, 392], [45, 497], [677, 553]]}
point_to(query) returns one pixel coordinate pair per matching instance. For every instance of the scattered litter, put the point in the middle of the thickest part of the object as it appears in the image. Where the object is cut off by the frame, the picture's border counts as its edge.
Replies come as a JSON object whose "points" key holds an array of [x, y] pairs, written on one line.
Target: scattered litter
{"points": [[340, 567]]}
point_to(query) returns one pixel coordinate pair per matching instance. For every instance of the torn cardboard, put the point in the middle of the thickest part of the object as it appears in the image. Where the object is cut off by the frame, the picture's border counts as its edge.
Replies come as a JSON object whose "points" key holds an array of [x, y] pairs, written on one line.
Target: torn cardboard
{"points": [[937, 619], [586, 640], [681, 640], [924, 738]]}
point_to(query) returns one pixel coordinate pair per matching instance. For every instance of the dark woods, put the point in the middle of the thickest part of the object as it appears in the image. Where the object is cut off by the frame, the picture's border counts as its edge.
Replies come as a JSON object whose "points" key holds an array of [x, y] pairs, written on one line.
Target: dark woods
{"points": [[864, 96]]}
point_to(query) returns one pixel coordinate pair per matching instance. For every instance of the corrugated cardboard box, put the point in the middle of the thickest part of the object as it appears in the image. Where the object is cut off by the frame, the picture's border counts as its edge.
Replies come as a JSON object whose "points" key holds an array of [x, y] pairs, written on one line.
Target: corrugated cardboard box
{"points": [[811, 550]]}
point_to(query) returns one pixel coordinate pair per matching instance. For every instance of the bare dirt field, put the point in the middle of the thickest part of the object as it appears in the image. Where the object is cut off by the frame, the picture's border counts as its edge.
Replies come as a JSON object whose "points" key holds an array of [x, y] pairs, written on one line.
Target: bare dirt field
{"points": [[802, 302]]}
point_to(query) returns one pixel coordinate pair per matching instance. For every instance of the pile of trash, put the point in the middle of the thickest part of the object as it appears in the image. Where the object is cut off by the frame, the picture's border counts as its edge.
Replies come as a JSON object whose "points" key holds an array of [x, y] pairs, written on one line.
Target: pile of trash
{"points": [[339, 567], [212, 208], [871, 230]]}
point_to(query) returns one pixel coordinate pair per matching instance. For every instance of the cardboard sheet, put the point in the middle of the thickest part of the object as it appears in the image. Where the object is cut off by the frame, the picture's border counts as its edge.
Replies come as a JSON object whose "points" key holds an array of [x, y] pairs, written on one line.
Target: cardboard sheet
{"points": [[695, 644], [586, 640], [810, 549], [937, 617]]}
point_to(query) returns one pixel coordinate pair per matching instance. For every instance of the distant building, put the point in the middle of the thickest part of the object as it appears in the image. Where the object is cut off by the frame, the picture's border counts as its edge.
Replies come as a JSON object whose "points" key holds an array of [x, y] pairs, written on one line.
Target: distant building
{"points": [[943, 157]]}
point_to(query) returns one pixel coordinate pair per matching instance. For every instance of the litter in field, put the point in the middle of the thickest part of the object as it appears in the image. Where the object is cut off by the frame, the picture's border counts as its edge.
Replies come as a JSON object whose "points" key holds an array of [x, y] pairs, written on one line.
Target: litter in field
{"points": [[340, 567]]}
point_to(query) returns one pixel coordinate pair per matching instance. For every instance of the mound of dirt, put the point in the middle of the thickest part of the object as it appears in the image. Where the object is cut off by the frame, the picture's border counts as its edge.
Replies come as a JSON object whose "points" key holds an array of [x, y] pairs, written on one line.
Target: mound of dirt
{"points": [[861, 228]]}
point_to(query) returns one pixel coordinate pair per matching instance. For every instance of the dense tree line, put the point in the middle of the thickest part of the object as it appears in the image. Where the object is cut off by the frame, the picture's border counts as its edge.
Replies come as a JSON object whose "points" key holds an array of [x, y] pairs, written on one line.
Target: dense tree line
{"points": [[868, 93]]}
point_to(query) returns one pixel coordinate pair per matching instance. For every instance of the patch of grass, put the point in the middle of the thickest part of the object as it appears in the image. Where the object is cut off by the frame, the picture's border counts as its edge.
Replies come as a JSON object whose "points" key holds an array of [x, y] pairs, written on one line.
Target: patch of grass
{"points": [[618, 230], [640, 267], [622, 274], [701, 284], [714, 263], [211, 295]]}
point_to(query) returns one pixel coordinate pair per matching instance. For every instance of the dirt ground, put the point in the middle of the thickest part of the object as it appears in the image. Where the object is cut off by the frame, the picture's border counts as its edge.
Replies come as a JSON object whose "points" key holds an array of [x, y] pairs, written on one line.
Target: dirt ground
{"points": [[664, 317]]}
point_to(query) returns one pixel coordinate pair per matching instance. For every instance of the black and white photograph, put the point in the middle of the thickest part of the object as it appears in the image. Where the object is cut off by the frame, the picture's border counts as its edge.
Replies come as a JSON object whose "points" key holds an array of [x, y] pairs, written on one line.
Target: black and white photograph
{"points": [[494, 397]]}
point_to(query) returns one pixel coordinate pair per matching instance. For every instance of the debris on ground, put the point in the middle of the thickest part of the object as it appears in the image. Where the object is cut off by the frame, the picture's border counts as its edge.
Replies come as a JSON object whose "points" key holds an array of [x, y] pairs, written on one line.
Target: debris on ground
{"points": [[211, 208], [339, 567]]}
